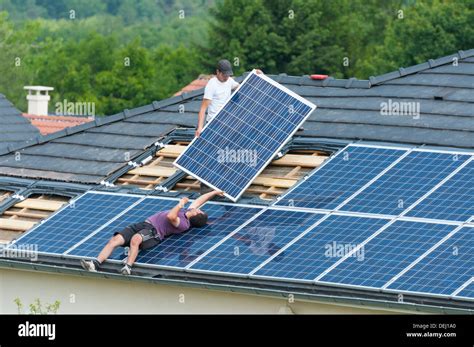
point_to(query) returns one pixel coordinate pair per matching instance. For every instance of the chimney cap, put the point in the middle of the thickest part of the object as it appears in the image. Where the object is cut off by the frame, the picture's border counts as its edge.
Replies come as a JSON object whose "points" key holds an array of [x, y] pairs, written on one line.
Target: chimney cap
{"points": [[38, 88]]}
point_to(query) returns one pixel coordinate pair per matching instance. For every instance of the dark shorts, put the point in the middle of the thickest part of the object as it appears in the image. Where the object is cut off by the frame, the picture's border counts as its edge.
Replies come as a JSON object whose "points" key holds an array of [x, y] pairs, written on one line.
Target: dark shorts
{"points": [[147, 232]]}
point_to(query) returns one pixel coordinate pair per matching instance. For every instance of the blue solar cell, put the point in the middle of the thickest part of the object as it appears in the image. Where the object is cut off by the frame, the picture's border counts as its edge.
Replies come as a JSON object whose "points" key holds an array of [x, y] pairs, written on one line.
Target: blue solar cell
{"points": [[388, 254], [180, 250], [405, 183], [139, 213], [340, 177], [245, 135], [443, 270], [74, 222], [322, 247], [454, 200], [257, 241], [467, 292]]}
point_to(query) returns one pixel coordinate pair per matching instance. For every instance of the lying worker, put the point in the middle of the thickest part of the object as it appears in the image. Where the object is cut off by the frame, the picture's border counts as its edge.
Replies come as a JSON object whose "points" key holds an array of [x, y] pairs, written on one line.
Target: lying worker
{"points": [[216, 93], [148, 234]]}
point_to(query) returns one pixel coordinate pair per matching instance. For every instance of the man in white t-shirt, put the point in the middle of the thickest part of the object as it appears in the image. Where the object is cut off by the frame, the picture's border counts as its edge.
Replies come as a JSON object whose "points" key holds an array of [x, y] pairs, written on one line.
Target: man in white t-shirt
{"points": [[216, 93]]}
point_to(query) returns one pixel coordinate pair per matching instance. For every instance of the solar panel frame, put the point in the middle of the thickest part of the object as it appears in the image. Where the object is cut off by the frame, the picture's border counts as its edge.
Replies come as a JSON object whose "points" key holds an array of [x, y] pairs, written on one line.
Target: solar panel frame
{"points": [[404, 181], [429, 207], [167, 255], [404, 151], [115, 260], [345, 274], [96, 240], [257, 172], [466, 293], [57, 213], [395, 285], [211, 256], [328, 225]]}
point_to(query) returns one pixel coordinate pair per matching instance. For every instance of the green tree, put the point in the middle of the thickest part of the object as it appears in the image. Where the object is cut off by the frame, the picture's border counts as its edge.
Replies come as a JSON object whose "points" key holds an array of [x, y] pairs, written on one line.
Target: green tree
{"points": [[423, 31]]}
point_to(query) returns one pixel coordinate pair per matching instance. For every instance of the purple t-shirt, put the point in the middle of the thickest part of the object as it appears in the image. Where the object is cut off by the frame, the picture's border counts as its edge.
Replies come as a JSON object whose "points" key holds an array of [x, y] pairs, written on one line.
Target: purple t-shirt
{"points": [[164, 227]]}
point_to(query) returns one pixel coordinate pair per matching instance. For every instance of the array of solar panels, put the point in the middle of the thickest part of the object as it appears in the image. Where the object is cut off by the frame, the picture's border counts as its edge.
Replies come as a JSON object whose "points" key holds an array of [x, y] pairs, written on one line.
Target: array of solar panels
{"points": [[393, 219], [245, 135]]}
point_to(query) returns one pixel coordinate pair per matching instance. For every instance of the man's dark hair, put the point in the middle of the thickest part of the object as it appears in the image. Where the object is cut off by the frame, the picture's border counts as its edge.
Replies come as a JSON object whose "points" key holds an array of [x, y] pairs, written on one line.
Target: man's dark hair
{"points": [[198, 220]]}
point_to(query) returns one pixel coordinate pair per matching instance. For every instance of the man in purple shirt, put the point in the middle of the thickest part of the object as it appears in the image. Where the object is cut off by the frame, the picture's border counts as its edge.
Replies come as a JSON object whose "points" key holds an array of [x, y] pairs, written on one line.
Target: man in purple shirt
{"points": [[149, 233]]}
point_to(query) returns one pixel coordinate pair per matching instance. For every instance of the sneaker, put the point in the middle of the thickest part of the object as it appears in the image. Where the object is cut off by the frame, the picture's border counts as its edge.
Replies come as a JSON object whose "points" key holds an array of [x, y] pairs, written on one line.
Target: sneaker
{"points": [[90, 265], [124, 260], [126, 270]]}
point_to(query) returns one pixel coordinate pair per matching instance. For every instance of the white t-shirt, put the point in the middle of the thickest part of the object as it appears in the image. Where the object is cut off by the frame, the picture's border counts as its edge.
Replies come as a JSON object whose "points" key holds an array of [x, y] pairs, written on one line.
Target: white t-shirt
{"points": [[218, 92]]}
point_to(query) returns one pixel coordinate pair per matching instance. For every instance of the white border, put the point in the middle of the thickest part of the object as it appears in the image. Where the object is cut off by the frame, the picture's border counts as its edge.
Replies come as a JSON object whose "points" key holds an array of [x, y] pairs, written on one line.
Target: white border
{"points": [[462, 287], [275, 84]]}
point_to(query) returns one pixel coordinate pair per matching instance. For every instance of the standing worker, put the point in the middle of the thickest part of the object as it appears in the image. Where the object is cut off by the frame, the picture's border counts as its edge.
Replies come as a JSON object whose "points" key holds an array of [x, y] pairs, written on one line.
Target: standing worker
{"points": [[216, 93]]}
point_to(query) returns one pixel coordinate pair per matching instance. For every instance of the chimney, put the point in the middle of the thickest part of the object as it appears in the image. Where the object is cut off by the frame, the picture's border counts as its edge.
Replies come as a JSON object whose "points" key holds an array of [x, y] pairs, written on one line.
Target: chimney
{"points": [[38, 99]]}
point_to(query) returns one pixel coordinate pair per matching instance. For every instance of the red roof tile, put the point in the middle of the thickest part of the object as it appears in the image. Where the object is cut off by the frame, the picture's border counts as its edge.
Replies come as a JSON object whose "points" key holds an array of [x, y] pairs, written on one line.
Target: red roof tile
{"points": [[198, 83], [50, 124]]}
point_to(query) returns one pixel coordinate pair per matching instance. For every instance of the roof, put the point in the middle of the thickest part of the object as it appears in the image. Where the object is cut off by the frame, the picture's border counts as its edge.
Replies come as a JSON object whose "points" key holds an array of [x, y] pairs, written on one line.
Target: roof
{"points": [[50, 124], [14, 129], [444, 92], [347, 109]]}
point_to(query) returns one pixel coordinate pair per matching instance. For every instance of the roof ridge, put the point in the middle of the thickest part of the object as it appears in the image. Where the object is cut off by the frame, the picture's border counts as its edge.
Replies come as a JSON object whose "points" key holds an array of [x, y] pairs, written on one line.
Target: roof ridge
{"points": [[356, 83], [430, 64]]}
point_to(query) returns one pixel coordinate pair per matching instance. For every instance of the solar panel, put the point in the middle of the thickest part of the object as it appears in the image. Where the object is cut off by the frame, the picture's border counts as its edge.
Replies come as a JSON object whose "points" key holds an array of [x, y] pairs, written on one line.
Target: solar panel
{"points": [[405, 183], [91, 246], [340, 177], [180, 250], [256, 122], [443, 270], [75, 221], [321, 247], [387, 254], [467, 292], [454, 200], [257, 241]]}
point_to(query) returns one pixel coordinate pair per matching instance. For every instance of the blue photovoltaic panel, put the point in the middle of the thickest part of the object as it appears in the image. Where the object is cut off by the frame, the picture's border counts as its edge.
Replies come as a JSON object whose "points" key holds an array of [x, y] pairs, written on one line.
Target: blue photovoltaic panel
{"points": [[139, 213], [257, 241], [323, 246], [180, 250], [245, 135], [405, 183], [454, 200], [467, 292], [340, 177], [74, 222], [444, 270], [387, 254]]}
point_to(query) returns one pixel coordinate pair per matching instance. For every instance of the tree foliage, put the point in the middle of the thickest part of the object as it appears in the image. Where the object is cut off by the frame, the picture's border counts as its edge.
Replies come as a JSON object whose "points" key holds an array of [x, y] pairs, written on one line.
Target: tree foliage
{"points": [[126, 53]]}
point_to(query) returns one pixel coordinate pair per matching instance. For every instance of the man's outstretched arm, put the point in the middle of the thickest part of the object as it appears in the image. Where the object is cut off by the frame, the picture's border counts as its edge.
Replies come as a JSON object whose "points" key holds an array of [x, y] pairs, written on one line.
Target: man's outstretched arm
{"points": [[203, 198], [173, 213]]}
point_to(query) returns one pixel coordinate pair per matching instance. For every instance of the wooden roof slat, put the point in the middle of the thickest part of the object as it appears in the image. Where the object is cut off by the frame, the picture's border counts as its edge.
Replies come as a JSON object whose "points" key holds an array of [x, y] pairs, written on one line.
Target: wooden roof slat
{"points": [[43, 205], [299, 160], [16, 224], [153, 171]]}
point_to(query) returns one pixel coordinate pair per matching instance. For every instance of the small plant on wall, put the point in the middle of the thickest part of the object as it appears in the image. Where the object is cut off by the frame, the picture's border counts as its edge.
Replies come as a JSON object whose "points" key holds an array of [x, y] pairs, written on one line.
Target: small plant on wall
{"points": [[36, 307]]}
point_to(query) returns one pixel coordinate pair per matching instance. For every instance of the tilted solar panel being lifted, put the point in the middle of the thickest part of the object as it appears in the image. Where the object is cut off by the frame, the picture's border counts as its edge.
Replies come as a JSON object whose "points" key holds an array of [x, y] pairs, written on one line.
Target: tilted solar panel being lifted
{"points": [[245, 135]]}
